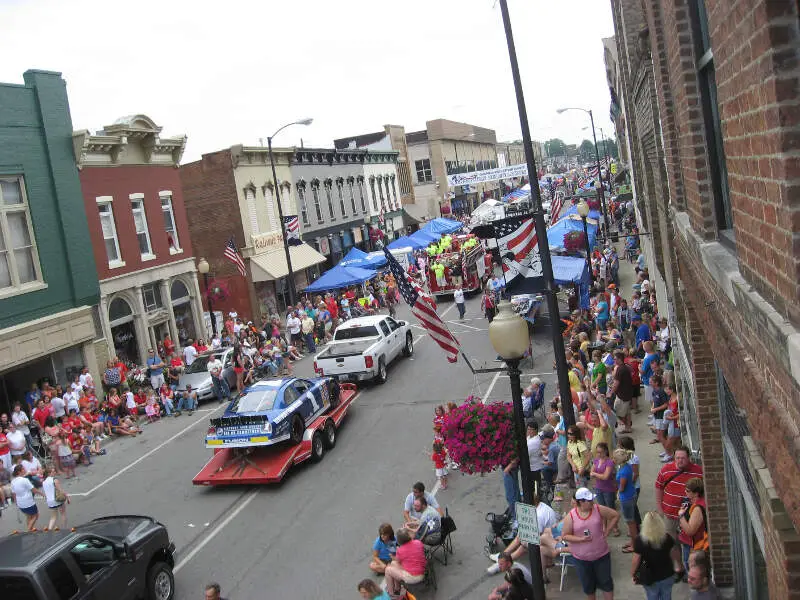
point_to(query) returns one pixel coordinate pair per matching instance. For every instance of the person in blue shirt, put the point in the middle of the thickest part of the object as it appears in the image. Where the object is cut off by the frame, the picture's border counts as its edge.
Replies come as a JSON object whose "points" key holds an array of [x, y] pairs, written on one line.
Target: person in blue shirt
{"points": [[384, 548], [32, 397], [626, 490], [643, 332], [651, 359], [156, 368], [601, 312]]}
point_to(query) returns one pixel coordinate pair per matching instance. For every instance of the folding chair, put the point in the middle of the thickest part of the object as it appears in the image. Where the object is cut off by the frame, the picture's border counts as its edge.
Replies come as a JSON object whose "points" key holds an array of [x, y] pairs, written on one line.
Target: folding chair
{"points": [[444, 545], [566, 561], [428, 578]]}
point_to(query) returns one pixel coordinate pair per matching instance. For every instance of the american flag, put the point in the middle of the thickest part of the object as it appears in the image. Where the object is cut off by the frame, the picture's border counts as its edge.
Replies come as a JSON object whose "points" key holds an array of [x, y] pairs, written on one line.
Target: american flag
{"points": [[292, 225], [232, 254], [555, 208], [422, 309], [519, 252]]}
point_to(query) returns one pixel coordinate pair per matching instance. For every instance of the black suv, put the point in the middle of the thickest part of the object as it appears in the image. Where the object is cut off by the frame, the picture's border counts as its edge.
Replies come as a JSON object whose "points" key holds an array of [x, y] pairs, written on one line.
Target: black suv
{"points": [[124, 557]]}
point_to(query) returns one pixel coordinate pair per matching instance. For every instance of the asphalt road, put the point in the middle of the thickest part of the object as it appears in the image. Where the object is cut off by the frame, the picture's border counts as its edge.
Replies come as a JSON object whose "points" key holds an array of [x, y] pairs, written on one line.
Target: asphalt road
{"points": [[311, 535]]}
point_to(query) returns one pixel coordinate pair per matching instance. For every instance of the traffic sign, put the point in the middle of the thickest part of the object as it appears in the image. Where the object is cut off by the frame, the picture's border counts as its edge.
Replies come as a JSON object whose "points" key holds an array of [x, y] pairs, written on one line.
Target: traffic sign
{"points": [[613, 168], [528, 523]]}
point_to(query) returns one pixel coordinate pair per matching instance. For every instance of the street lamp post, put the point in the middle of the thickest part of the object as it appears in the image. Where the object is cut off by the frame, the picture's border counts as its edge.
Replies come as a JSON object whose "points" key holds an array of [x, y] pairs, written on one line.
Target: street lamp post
{"points": [[290, 272], [541, 232], [583, 211], [203, 267], [508, 333], [597, 160]]}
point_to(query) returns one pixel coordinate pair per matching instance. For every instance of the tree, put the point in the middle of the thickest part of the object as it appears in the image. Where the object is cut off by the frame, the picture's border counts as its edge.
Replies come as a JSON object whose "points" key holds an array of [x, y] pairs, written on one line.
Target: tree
{"points": [[555, 147], [608, 147], [586, 151]]}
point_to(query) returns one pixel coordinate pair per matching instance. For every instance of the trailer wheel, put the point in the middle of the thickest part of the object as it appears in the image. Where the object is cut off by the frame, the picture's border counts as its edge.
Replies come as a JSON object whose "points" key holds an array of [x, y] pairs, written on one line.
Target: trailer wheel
{"points": [[408, 349], [317, 447], [329, 435], [298, 428]]}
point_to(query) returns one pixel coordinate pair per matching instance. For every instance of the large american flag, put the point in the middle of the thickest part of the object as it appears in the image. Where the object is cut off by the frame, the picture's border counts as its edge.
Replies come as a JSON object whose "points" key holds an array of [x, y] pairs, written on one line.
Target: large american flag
{"points": [[292, 225], [519, 252], [422, 309], [555, 208], [232, 254]]}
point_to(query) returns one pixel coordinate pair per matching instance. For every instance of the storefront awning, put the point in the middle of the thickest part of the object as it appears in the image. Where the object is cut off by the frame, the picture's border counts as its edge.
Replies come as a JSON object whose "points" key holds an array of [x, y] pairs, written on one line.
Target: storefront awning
{"points": [[272, 265], [415, 213]]}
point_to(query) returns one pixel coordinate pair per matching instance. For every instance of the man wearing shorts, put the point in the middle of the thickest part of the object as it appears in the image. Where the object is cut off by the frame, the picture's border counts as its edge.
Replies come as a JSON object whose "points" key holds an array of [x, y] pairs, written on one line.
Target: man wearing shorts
{"points": [[649, 362], [622, 388]]}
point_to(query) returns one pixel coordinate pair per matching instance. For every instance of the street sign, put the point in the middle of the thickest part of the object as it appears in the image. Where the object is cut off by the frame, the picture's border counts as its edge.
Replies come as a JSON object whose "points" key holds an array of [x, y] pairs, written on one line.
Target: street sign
{"points": [[528, 523], [613, 168]]}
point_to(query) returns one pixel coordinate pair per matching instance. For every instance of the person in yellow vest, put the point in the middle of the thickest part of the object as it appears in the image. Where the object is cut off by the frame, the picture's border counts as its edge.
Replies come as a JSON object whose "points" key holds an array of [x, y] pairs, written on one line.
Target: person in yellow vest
{"points": [[438, 270]]}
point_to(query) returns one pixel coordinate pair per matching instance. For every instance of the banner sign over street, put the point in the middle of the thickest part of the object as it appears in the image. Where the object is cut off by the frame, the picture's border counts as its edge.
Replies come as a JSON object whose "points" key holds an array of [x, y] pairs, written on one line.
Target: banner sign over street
{"points": [[487, 175]]}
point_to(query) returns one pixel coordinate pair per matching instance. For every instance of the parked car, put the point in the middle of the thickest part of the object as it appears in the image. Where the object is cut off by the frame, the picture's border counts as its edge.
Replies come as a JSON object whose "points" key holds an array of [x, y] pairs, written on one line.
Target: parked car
{"points": [[126, 557], [363, 348], [199, 378], [272, 411]]}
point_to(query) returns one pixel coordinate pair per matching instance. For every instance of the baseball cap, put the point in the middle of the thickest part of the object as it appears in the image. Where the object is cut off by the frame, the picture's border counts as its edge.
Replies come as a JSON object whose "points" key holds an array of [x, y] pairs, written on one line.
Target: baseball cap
{"points": [[584, 494], [636, 318]]}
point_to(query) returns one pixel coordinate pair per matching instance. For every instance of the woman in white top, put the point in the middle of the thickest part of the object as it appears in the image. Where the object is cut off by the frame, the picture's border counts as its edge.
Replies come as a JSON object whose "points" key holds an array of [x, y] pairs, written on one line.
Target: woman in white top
{"points": [[58, 510], [21, 420], [23, 492]]}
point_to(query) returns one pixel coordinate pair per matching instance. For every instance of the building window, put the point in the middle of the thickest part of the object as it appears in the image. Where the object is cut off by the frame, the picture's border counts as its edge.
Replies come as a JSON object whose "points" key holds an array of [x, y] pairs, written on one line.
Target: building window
{"points": [[350, 182], [329, 196], [315, 196], [19, 262], [713, 126], [151, 295], [402, 174], [424, 173], [340, 191], [372, 189], [394, 191], [361, 194], [301, 194], [109, 229], [142, 233], [380, 192], [169, 222]]}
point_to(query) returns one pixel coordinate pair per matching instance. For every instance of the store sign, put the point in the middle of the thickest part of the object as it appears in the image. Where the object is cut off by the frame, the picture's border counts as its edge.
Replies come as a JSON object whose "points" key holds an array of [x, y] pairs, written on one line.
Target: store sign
{"points": [[324, 247], [487, 175], [267, 241]]}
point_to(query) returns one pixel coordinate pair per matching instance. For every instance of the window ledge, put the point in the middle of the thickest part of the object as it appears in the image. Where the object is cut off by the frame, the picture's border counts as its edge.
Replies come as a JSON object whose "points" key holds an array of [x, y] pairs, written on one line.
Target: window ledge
{"points": [[146, 257], [33, 286], [175, 251], [116, 264]]}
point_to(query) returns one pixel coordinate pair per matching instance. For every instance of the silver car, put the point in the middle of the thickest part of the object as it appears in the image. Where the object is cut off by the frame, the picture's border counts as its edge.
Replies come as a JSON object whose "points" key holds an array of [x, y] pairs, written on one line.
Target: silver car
{"points": [[199, 378]]}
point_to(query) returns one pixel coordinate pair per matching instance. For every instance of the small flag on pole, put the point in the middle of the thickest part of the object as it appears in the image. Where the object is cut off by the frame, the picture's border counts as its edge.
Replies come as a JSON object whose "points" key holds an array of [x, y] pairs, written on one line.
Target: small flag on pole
{"points": [[423, 310], [233, 255], [292, 224]]}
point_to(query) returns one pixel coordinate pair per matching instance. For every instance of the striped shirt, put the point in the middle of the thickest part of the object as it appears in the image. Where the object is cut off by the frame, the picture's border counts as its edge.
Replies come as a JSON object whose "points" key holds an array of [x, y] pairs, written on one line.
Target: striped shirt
{"points": [[673, 482]]}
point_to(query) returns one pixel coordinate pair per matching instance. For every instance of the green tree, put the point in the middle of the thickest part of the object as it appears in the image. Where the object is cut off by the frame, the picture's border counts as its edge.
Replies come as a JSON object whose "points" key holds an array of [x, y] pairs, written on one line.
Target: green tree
{"points": [[555, 147], [608, 147], [586, 151]]}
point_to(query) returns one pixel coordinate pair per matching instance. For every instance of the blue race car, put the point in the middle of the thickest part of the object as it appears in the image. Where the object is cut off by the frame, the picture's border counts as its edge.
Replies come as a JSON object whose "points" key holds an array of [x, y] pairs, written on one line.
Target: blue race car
{"points": [[271, 411]]}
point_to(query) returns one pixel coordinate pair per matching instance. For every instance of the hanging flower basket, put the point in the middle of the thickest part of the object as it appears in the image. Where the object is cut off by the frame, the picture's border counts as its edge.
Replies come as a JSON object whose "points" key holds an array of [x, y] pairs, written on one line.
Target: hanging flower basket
{"points": [[480, 437], [574, 241], [218, 290], [594, 204]]}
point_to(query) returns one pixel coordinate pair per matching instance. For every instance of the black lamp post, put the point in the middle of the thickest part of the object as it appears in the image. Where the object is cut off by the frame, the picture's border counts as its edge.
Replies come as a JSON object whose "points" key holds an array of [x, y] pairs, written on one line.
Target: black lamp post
{"points": [[508, 333], [290, 272], [565, 393], [583, 211], [203, 267]]}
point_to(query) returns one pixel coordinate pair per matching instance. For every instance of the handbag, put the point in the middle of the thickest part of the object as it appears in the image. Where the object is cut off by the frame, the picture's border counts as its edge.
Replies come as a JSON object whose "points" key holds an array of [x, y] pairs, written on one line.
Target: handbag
{"points": [[61, 497], [643, 574]]}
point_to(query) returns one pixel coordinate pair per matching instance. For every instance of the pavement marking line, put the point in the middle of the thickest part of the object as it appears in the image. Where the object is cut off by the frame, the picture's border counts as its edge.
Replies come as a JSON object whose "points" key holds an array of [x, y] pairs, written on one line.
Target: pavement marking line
{"points": [[141, 458], [250, 496], [436, 487], [491, 387], [465, 325]]}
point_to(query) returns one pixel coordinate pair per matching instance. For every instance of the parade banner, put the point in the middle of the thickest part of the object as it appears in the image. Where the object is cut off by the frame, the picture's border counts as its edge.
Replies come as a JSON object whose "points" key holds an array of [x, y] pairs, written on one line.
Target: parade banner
{"points": [[487, 175]]}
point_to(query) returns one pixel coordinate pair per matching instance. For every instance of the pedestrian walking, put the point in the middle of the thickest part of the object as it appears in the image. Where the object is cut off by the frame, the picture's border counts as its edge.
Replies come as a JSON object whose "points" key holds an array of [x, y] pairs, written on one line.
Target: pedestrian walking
{"points": [[57, 500], [439, 458], [458, 297], [651, 565], [23, 492]]}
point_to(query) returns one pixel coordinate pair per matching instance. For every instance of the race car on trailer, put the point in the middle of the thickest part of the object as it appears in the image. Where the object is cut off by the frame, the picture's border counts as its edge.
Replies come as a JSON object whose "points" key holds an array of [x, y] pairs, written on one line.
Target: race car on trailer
{"points": [[273, 425]]}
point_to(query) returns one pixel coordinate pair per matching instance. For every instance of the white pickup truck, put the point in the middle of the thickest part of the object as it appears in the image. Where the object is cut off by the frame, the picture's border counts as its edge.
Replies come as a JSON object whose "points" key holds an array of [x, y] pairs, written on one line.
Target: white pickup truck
{"points": [[363, 348]]}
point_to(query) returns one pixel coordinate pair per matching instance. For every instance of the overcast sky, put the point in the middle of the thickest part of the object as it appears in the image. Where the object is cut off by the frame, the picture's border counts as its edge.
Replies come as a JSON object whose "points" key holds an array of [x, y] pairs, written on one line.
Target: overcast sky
{"points": [[233, 72]]}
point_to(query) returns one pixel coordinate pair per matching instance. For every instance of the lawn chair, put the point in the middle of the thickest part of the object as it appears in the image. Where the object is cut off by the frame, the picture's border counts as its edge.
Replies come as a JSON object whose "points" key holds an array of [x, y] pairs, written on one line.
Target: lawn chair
{"points": [[444, 544], [566, 561]]}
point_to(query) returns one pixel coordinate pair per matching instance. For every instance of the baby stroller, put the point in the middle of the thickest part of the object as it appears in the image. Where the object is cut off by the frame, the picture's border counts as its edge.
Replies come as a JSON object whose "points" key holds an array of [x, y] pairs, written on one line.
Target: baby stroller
{"points": [[501, 528]]}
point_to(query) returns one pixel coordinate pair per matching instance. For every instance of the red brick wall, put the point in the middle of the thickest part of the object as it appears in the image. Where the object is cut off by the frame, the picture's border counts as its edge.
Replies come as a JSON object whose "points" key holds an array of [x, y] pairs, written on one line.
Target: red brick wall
{"points": [[212, 210], [120, 182], [756, 54]]}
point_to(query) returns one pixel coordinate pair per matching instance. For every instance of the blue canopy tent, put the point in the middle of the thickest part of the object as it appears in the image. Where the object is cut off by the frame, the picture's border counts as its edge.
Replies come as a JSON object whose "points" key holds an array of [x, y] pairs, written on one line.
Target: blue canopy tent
{"points": [[442, 226], [405, 242], [424, 237], [569, 270], [573, 210], [358, 258], [514, 194], [556, 232], [340, 277], [375, 260]]}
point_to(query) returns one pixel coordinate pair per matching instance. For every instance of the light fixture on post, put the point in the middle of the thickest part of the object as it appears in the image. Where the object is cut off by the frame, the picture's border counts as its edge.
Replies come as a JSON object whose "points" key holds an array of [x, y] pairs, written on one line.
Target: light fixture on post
{"points": [[508, 333], [290, 272], [583, 211], [203, 267]]}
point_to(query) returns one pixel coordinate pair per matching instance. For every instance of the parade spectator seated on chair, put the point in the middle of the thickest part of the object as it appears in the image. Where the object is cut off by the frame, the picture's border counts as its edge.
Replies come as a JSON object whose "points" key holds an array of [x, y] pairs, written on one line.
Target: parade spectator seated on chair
{"points": [[428, 525], [188, 401], [417, 492], [409, 563]]}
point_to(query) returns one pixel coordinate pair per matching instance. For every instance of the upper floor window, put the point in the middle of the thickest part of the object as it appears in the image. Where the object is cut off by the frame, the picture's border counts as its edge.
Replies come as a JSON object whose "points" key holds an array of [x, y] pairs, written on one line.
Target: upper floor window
{"points": [[362, 196], [713, 124], [301, 195], [394, 191], [140, 221], [340, 189], [109, 229], [424, 172], [315, 196], [329, 196], [402, 174], [350, 182], [170, 227], [380, 192], [19, 261], [151, 295], [372, 189]]}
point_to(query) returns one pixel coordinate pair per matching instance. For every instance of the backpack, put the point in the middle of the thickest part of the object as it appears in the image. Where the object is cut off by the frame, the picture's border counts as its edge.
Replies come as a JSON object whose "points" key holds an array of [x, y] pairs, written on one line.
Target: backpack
{"points": [[700, 538]]}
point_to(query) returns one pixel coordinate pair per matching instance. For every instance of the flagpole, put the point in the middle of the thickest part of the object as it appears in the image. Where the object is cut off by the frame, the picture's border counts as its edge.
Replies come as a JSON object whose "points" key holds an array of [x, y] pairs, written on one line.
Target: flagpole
{"points": [[541, 231], [290, 272]]}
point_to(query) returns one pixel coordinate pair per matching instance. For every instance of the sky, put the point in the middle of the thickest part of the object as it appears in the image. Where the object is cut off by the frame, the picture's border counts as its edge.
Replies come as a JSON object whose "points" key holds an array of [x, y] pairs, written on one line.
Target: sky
{"points": [[233, 72]]}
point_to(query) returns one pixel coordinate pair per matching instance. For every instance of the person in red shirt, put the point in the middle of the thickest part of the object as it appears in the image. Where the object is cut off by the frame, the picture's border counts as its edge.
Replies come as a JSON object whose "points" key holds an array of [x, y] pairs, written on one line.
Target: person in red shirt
{"points": [[670, 487], [636, 380], [439, 458], [169, 345], [5, 451], [120, 366], [43, 410], [140, 397], [74, 421], [333, 308]]}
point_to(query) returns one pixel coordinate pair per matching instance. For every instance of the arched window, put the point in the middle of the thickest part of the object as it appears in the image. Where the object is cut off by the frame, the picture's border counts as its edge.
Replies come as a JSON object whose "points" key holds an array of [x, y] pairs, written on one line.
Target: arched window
{"points": [[179, 294], [119, 311]]}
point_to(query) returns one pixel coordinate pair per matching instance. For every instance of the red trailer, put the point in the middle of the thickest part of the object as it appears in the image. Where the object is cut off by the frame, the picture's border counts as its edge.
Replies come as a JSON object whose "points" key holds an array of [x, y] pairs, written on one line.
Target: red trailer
{"points": [[269, 464]]}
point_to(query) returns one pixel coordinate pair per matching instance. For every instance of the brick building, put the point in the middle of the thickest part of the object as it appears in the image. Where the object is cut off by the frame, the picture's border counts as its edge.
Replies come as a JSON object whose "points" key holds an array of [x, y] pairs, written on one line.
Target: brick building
{"points": [[709, 90], [140, 236]]}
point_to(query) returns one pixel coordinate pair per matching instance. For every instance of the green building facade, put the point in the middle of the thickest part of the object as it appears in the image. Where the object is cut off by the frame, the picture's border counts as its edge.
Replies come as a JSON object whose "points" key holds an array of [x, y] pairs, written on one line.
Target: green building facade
{"points": [[48, 280]]}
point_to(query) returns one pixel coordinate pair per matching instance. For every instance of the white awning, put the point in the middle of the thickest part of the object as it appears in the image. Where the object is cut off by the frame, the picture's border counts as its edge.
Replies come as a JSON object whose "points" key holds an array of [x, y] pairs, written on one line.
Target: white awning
{"points": [[272, 265]]}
